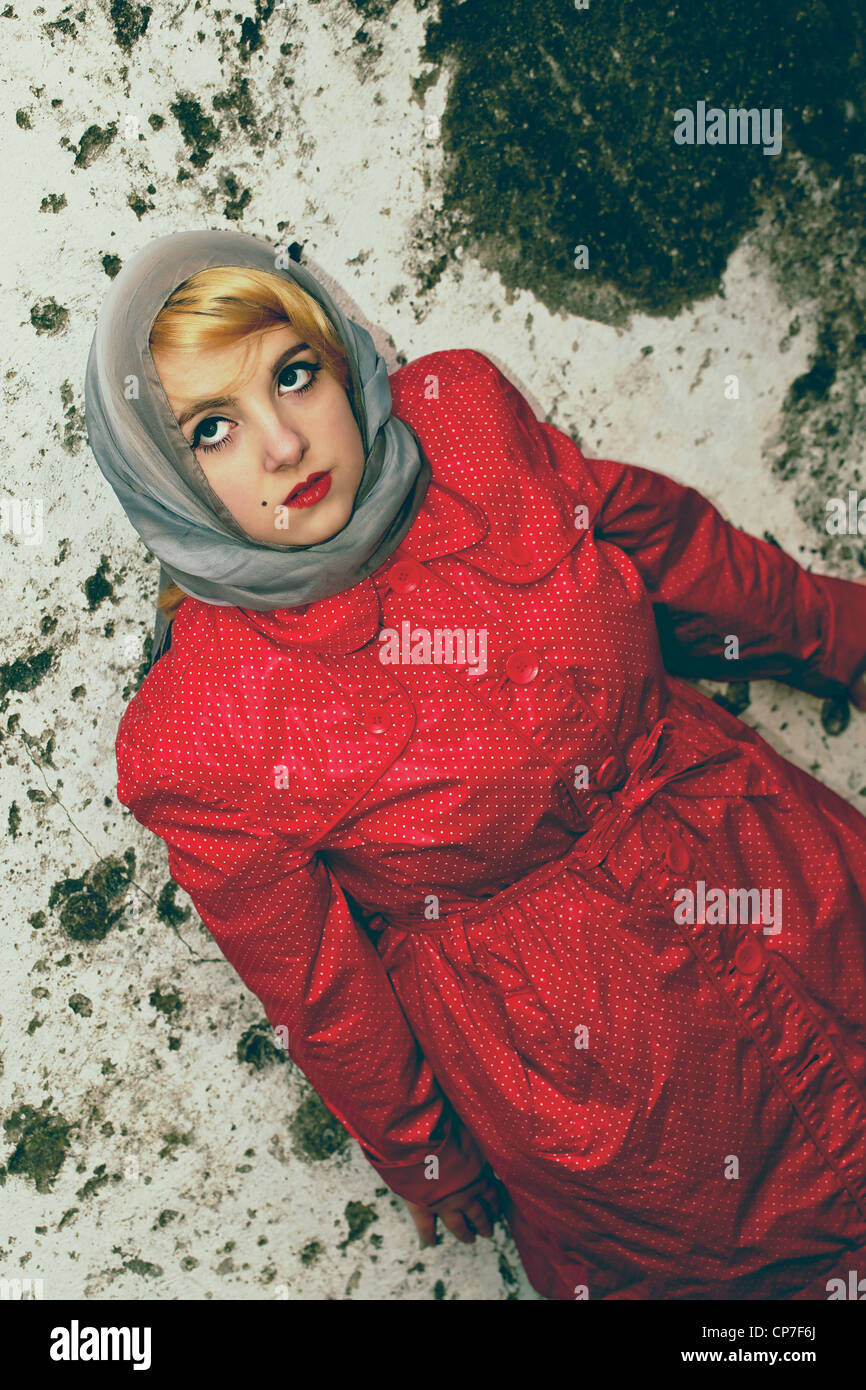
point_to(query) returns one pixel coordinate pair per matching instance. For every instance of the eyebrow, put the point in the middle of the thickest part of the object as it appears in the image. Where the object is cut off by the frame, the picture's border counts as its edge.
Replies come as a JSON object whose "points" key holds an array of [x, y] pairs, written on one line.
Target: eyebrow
{"points": [[214, 402]]}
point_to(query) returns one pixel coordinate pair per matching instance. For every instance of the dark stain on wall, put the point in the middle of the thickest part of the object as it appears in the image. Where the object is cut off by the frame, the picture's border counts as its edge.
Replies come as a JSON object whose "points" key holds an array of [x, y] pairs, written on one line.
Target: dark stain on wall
{"points": [[199, 133], [97, 587], [257, 1047], [316, 1134], [558, 132], [129, 23], [167, 909], [166, 1002], [359, 1216], [89, 907], [25, 673], [93, 143], [41, 1139], [49, 317]]}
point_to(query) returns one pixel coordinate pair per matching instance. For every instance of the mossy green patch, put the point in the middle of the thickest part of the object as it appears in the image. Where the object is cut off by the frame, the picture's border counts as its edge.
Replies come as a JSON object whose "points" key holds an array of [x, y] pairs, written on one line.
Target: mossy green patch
{"points": [[99, 1179], [736, 698], [25, 673], [558, 130], [41, 1139], [74, 434], [60, 26], [167, 909], [168, 1003], [129, 22], [171, 1141], [507, 1275], [258, 1047], [359, 1216], [97, 588], [89, 907], [236, 102], [316, 1134], [237, 198], [251, 36], [143, 1267], [49, 317], [93, 143], [139, 204], [199, 133]]}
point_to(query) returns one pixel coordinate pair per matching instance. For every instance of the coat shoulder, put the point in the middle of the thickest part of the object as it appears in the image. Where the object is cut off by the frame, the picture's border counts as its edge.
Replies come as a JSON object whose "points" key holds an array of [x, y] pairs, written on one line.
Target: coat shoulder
{"points": [[179, 730], [424, 376]]}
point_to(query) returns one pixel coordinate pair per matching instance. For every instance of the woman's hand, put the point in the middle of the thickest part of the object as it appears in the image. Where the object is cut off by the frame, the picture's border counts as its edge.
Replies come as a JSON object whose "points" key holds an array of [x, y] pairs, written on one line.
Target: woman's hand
{"points": [[473, 1209], [857, 688]]}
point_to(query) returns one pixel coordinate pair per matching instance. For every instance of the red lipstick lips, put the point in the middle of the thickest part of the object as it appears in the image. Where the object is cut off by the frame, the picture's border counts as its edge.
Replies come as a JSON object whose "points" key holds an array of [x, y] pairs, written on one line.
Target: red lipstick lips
{"points": [[311, 490]]}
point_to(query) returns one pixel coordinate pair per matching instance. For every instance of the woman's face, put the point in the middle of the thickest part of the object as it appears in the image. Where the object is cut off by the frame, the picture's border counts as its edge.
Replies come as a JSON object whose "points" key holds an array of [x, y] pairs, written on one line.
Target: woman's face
{"points": [[288, 419]]}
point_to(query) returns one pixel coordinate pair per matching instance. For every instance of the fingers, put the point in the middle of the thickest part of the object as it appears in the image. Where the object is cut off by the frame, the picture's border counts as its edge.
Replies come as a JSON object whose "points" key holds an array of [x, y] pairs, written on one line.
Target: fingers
{"points": [[492, 1199], [426, 1224], [477, 1213], [465, 1214], [457, 1225], [470, 1219]]}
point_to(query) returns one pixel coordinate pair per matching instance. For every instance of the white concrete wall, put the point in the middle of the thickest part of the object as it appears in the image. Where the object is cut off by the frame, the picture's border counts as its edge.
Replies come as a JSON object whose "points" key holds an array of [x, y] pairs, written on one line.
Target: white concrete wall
{"points": [[160, 1165]]}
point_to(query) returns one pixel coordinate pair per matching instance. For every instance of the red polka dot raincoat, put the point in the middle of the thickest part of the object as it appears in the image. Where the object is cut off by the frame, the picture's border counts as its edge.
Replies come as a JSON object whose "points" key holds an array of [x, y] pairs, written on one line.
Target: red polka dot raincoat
{"points": [[513, 890]]}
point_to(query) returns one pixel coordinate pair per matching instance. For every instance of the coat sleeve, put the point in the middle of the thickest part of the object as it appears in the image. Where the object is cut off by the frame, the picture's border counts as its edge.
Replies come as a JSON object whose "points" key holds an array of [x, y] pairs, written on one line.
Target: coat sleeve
{"points": [[708, 579], [280, 918]]}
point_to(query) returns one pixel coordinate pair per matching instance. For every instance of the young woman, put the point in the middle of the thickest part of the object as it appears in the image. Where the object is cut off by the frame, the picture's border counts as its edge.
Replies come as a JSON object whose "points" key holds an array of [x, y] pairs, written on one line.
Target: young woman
{"points": [[550, 932]]}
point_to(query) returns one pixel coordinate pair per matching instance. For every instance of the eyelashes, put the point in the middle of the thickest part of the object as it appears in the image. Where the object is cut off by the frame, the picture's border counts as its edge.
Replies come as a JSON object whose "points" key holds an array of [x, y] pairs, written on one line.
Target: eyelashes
{"points": [[294, 367]]}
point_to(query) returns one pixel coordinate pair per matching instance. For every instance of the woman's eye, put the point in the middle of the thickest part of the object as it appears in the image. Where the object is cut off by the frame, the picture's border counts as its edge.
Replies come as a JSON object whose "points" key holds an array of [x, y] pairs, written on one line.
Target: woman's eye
{"points": [[204, 439], [292, 370], [207, 441]]}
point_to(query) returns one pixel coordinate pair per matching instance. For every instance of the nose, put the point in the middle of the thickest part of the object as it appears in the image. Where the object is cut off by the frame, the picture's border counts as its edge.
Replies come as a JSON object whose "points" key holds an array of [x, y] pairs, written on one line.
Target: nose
{"points": [[283, 444]]}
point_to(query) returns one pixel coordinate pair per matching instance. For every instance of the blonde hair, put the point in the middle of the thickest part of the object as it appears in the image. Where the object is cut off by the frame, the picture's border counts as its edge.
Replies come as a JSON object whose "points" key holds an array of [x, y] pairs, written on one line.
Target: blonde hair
{"points": [[216, 307]]}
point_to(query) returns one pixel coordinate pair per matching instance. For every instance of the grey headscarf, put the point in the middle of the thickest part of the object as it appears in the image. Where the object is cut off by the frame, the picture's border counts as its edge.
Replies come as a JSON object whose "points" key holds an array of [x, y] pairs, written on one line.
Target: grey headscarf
{"points": [[141, 449]]}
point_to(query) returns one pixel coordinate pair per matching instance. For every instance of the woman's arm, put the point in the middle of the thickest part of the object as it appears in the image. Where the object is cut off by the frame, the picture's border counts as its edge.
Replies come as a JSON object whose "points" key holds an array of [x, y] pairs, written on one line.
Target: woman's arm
{"points": [[707, 579], [710, 581], [282, 921]]}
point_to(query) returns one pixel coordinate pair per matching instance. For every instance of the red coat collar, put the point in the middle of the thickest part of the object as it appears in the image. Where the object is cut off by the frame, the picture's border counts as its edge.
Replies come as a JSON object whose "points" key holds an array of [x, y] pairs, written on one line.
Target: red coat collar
{"points": [[494, 499], [444, 525]]}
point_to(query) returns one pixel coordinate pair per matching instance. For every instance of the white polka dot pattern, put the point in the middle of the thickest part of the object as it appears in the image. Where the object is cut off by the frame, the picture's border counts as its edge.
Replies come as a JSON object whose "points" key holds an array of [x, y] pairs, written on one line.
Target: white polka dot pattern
{"points": [[455, 884]]}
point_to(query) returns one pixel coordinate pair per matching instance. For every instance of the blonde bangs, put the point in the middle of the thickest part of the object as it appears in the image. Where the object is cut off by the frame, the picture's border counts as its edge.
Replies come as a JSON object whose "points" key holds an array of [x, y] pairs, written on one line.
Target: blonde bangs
{"points": [[219, 306]]}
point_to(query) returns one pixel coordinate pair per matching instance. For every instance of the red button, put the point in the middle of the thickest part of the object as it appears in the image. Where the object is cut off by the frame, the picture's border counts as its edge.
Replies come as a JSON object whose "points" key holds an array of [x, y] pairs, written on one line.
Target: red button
{"points": [[677, 856], [405, 576], [748, 957], [522, 666], [607, 773], [518, 553], [378, 721]]}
